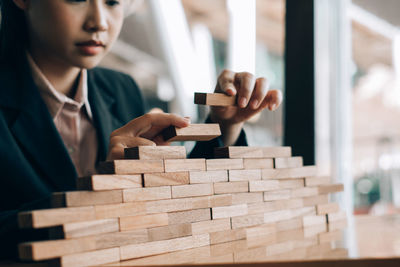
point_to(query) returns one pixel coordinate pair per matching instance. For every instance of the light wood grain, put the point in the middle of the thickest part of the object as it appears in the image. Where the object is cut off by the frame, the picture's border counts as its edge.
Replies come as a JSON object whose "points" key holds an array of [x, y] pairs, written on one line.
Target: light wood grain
{"points": [[142, 221], [170, 232], [217, 225], [238, 152], [258, 163], [313, 181], [97, 257], [224, 164], [244, 198], [328, 189], [203, 177], [131, 166], [119, 210], [277, 152], [327, 208], [214, 99], [227, 236], [244, 175], [189, 216], [229, 211], [163, 179], [277, 195], [290, 173], [262, 186], [81, 229], [284, 163], [247, 220], [313, 220], [231, 187], [155, 152], [109, 182], [193, 132], [182, 165], [145, 194], [86, 198], [192, 190]]}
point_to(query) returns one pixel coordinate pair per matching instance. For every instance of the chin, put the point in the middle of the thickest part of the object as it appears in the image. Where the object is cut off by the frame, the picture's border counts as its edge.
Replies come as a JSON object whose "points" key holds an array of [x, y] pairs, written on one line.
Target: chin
{"points": [[88, 62]]}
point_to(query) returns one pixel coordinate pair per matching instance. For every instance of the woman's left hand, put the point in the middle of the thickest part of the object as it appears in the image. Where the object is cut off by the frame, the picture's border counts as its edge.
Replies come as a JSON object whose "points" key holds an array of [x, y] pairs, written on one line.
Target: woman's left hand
{"points": [[252, 97]]}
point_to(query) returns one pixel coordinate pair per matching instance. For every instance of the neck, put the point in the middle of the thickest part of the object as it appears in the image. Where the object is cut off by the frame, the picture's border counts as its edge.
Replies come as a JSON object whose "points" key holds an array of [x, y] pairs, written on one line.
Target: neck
{"points": [[63, 77]]}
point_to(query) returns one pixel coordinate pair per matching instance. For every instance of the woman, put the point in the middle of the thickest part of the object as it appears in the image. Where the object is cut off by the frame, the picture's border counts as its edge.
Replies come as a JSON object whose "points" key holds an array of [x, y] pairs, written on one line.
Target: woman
{"points": [[60, 116]]}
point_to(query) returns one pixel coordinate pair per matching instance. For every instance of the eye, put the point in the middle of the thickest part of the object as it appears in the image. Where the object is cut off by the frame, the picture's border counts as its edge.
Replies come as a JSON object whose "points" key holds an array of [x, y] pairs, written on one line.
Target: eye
{"points": [[112, 2]]}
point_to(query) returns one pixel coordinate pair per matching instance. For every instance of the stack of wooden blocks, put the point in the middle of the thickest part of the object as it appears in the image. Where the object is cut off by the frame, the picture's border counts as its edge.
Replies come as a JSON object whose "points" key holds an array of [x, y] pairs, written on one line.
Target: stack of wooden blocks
{"points": [[157, 201]]}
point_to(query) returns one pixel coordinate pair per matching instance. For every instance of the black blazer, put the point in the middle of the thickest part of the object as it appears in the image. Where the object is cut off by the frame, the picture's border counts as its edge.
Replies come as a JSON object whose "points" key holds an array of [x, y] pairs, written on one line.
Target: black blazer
{"points": [[33, 159]]}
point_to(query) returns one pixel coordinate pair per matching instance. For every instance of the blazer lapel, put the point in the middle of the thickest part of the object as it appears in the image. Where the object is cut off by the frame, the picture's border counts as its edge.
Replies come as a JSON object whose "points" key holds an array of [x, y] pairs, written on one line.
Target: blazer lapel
{"points": [[35, 130]]}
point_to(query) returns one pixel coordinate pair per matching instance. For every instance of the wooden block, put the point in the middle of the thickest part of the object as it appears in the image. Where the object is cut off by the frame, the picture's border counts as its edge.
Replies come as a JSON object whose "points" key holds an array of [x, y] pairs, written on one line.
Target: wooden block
{"points": [[193, 132], [291, 184], [164, 246], [314, 230], [276, 216], [163, 179], [238, 152], [214, 99], [261, 230], [184, 204], [119, 210], [277, 195], [142, 221], [291, 224], [305, 211], [155, 152], [277, 152], [224, 164], [227, 236], [231, 187], [293, 203], [335, 235], [170, 232], [131, 166], [44, 250], [203, 177], [247, 220], [337, 225], [245, 198], [53, 217], [328, 189], [190, 216], [262, 207], [315, 200], [304, 192], [313, 220], [338, 216], [109, 182], [327, 208], [145, 194], [97, 257], [255, 163], [280, 248], [292, 162], [182, 165], [228, 211], [81, 229], [244, 175], [86, 198], [262, 186], [111, 240], [192, 190], [313, 181], [290, 173], [204, 227]]}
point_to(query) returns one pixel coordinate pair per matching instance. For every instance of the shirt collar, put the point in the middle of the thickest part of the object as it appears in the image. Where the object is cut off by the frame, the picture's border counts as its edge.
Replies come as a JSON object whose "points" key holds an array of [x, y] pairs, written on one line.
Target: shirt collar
{"points": [[56, 100]]}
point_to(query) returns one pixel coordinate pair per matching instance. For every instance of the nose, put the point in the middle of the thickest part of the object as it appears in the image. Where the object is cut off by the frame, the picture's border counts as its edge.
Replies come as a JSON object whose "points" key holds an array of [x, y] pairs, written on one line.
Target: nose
{"points": [[96, 19]]}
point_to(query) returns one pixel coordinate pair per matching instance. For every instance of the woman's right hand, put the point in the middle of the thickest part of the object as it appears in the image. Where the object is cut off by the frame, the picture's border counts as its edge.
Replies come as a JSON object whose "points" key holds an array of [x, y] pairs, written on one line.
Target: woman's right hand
{"points": [[143, 131]]}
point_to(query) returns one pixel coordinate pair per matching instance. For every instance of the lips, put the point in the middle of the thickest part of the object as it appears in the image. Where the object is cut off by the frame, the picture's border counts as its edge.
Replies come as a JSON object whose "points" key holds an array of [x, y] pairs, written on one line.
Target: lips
{"points": [[91, 43], [91, 47]]}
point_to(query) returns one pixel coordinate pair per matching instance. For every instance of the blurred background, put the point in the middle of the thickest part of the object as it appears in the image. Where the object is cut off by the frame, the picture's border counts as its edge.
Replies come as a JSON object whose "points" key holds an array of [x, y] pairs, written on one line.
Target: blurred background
{"points": [[336, 62]]}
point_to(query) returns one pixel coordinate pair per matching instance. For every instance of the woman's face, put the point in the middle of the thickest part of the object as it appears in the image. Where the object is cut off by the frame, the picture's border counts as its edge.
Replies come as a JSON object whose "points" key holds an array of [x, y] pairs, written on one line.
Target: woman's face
{"points": [[77, 33]]}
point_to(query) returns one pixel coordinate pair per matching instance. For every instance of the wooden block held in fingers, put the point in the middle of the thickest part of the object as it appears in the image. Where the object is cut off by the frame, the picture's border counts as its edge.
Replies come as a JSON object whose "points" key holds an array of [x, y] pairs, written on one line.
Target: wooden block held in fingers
{"points": [[262, 186], [109, 182], [313, 181], [327, 208], [277, 152], [155, 152], [203, 177], [119, 210], [224, 164], [231, 187], [97, 257], [143, 221], [215, 99], [292, 162], [53, 217], [211, 226], [255, 163], [81, 229], [244, 175], [229, 211], [131, 166], [332, 188], [189, 216], [277, 195], [182, 165], [86, 198], [147, 193], [170, 232], [162, 179], [238, 152], [290, 173], [193, 132], [314, 220], [192, 190], [244, 198]]}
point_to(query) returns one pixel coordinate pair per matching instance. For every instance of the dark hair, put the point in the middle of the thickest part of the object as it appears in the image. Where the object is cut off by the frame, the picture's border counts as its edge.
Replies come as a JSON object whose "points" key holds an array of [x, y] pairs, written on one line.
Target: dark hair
{"points": [[13, 32]]}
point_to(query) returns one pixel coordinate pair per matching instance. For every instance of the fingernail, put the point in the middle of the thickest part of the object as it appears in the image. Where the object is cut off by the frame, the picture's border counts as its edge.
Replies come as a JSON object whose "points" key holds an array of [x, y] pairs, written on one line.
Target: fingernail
{"points": [[243, 102], [187, 119], [254, 104], [230, 91], [273, 107]]}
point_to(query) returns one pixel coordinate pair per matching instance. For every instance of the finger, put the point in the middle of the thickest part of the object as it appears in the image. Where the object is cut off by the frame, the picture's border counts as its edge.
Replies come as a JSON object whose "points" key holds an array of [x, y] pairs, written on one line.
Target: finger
{"points": [[246, 85], [259, 93], [226, 83], [159, 140], [156, 110], [119, 143], [162, 122], [275, 99]]}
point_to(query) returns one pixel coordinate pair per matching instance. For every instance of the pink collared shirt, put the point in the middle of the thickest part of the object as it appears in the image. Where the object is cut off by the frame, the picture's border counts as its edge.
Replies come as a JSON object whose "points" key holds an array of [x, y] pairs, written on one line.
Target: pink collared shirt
{"points": [[72, 118]]}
